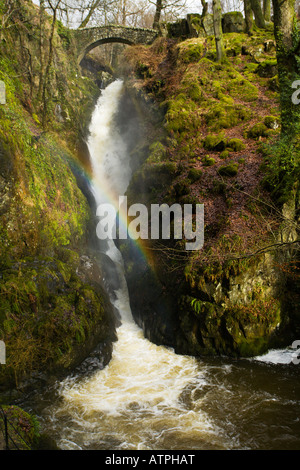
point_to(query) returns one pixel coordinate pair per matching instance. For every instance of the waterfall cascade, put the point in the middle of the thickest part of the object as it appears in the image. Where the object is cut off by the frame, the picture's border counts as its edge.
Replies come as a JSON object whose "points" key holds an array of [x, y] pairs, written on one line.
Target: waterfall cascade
{"points": [[148, 397]]}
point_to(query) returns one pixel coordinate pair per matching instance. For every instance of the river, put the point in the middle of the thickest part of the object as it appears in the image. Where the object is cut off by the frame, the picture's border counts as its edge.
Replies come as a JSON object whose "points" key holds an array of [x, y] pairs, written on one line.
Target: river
{"points": [[148, 397]]}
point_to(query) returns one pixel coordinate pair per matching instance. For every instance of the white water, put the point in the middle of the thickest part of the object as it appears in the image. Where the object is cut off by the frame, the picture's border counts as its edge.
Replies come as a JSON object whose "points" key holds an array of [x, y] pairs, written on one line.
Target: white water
{"points": [[136, 399]]}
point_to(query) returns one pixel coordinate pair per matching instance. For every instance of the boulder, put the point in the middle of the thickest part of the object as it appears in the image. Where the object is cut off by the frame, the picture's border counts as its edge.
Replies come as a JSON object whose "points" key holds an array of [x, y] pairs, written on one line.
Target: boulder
{"points": [[233, 22]]}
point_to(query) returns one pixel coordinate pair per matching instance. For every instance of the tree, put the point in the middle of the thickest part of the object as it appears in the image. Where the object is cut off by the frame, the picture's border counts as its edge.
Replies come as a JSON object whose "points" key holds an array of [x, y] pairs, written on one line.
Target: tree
{"points": [[204, 8], [258, 14], [158, 9], [288, 60], [91, 9], [46, 67], [248, 16], [217, 15], [267, 9], [162, 5]]}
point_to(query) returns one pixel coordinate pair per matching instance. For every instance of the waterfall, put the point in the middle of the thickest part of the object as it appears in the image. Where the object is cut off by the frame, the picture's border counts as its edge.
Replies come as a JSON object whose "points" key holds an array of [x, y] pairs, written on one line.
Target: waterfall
{"points": [[136, 400], [147, 397]]}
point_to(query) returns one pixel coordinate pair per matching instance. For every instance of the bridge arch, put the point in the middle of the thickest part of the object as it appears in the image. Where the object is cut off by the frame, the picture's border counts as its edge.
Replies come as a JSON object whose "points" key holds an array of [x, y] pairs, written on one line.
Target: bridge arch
{"points": [[92, 46], [87, 39]]}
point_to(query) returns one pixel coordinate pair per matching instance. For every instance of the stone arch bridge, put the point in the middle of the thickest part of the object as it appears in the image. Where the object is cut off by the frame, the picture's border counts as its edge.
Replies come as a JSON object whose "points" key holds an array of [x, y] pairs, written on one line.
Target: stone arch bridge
{"points": [[87, 39]]}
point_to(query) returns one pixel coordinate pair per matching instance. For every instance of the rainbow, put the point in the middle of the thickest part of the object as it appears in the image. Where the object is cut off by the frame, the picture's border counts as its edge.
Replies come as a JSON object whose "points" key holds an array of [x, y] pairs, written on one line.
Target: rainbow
{"points": [[109, 197]]}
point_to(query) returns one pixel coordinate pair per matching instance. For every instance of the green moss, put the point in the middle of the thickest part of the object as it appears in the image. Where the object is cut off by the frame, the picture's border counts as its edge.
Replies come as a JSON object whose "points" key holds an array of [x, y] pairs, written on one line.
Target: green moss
{"points": [[22, 427], [229, 170], [258, 130], [240, 87], [194, 175], [157, 152], [226, 116], [215, 142], [225, 154], [250, 67], [236, 144], [218, 187], [267, 68], [182, 115], [190, 51], [192, 89], [45, 310], [271, 122], [208, 161], [182, 188]]}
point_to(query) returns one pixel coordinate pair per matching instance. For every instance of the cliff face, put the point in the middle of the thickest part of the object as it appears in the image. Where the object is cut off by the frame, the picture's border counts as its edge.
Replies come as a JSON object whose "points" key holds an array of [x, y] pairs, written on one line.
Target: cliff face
{"points": [[53, 308], [218, 119]]}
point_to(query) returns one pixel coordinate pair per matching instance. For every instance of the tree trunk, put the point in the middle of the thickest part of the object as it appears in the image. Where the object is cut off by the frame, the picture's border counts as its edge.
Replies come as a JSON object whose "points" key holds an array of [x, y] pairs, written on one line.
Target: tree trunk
{"points": [[159, 7], [217, 14], [258, 14], [267, 9], [287, 50], [204, 8], [248, 16], [93, 7], [48, 66], [41, 49]]}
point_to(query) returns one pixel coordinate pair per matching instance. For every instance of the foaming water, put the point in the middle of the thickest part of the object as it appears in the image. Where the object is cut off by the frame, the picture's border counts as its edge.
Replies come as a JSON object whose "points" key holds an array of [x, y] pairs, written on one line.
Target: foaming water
{"points": [[150, 398], [278, 356], [136, 402]]}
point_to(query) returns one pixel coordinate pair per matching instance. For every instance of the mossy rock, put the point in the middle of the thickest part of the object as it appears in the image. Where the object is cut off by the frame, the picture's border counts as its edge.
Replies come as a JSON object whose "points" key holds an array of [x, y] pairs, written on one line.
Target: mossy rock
{"points": [[194, 174], [258, 130], [236, 144], [192, 90], [189, 199], [225, 154], [23, 428], [229, 170], [215, 142], [182, 188], [182, 115], [240, 87], [274, 84], [233, 22], [208, 161], [218, 187], [267, 69], [157, 152], [190, 51], [223, 116]]}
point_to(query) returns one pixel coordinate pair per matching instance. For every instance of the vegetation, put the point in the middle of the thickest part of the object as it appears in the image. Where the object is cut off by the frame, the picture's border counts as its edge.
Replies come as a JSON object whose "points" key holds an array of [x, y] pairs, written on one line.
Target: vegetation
{"points": [[46, 309]]}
